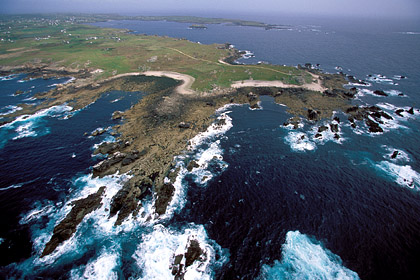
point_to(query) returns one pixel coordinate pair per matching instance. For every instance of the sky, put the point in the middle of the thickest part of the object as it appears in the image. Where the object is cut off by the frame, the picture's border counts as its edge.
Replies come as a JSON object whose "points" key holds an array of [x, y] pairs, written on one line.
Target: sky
{"points": [[396, 9]]}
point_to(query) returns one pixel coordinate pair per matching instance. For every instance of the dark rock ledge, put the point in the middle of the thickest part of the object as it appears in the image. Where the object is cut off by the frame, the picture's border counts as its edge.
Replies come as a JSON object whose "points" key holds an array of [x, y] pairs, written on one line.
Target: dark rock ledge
{"points": [[193, 253], [67, 227]]}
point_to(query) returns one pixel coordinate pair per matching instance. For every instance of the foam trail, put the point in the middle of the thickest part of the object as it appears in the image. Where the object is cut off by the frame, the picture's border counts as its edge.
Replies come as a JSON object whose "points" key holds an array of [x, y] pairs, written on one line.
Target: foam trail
{"points": [[27, 125], [11, 187], [303, 258], [403, 175], [11, 109]]}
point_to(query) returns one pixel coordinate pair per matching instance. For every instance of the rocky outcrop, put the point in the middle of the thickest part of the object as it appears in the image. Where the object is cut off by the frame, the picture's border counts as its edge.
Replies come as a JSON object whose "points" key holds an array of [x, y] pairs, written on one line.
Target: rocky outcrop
{"points": [[183, 261], [164, 194], [67, 227], [295, 122], [322, 128], [395, 154], [373, 126], [411, 111], [313, 115], [98, 132], [117, 115], [128, 198], [334, 127], [191, 165], [107, 163], [380, 93], [184, 125]]}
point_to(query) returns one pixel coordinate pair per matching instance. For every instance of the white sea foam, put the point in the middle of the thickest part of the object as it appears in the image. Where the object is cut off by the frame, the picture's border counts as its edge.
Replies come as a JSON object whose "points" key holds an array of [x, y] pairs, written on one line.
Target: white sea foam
{"points": [[222, 124], [9, 77], [393, 92], [359, 84], [16, 186], [1, 240], [327, 135], [155, 254], [205, 150], [102, 225], [101, 268], [381, 79], [30, 125], [404, 175], [11, 109], [299, 142], [402, 156], [303, 258]]}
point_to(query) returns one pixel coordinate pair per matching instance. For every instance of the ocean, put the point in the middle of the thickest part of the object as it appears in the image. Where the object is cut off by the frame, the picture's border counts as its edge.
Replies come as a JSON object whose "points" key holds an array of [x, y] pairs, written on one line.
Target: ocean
{"points": [[264, 203]]}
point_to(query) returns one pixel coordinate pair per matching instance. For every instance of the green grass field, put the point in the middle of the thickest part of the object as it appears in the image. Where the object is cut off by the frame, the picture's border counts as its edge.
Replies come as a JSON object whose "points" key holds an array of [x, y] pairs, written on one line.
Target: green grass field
{"points": [[63, 42]]}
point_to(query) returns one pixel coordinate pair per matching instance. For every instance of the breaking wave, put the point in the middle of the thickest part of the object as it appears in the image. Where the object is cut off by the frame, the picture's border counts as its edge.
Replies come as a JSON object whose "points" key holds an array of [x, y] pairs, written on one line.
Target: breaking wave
{"points": [[303, 258]]}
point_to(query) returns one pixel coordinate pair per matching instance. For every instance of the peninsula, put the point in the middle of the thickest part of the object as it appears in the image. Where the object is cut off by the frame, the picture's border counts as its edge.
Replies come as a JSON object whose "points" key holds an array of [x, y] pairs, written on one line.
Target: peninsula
{"points": [[185, 82]]}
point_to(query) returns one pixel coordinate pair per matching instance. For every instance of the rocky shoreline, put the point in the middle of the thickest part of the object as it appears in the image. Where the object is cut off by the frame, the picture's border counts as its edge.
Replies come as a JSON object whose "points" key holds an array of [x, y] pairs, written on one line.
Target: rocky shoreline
{"points": [[159, 127]]}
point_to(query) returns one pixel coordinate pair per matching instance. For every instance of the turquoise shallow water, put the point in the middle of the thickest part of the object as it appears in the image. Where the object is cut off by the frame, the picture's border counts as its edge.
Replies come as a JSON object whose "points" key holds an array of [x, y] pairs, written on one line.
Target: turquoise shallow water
{"points": [[264, 203]]}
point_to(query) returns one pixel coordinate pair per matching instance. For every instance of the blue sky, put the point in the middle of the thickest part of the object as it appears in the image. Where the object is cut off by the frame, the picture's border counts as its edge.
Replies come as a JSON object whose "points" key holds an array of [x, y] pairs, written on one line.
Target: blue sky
{"points": [[348, 8]]}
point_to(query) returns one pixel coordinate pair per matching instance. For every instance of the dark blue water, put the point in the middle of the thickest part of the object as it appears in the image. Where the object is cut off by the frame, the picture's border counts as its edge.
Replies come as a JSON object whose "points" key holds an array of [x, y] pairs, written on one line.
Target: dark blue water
{"points": [[39, 162], [275, 207], [344, 195]]}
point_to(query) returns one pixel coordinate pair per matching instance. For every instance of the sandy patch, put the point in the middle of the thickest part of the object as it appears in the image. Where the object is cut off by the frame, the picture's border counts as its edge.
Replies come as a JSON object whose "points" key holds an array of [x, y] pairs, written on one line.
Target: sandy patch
{"points": [[315, 86], [184, 88]]}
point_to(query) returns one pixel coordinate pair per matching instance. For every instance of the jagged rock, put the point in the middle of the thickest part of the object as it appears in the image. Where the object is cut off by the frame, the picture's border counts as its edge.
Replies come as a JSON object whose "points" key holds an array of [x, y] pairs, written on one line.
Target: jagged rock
{"points": [[411, 111], [106, 148], [131, 157], [322, 128], [127, 199], [191, 165], [313, 115], [334, 127], [337, 119], [292, 121], [318, 135], [336, 136], [184, 125], [107, 163], [67, 227], [380, 93], [117, 115], [193, 253], [164, 195], [209, 103], [394, 154], [399, 111], [18, 92], [255, 106], [98, 132], [373, 126]]}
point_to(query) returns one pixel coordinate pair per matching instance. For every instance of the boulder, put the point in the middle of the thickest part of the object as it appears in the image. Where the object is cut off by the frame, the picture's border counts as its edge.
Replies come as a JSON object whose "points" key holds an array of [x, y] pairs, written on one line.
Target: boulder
{"points": [[184, 125], [117, 115], [394, 154], [334, 127], [380, 93], [373, 126], [322, 128], [313, 115], [411, 111], [399, 112], [191, 165]]}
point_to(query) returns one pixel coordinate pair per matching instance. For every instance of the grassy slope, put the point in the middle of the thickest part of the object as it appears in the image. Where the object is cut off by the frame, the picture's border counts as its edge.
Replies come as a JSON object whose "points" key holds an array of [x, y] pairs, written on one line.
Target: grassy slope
{"points": [[117, 52]]}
